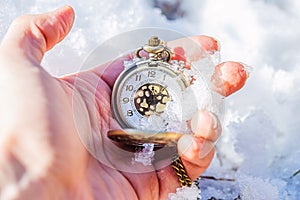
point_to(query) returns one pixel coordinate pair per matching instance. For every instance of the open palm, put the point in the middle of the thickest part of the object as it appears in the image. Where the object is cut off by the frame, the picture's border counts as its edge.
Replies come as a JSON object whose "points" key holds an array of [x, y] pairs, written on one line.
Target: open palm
{"points": [[53, 129]]}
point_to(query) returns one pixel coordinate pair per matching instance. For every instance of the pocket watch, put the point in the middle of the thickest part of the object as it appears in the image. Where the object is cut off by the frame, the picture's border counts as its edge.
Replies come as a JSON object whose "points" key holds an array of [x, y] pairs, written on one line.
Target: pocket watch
{"points": [[147, 94]]}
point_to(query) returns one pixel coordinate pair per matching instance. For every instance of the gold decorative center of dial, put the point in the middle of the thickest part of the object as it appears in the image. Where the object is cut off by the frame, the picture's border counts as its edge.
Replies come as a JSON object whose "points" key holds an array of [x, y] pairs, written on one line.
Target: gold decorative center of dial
{"points": [[150, 99]]}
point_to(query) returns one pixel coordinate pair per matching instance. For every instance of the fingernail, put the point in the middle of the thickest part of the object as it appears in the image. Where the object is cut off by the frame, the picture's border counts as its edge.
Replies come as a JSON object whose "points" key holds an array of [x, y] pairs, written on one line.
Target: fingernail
{"points": [[215, 120], [216, 46], [206, 147], [185, 143], [247, 68]]}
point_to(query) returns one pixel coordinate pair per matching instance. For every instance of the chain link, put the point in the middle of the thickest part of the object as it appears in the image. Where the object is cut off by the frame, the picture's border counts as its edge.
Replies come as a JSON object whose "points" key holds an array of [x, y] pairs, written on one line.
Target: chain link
{"points": [[181, 173]]}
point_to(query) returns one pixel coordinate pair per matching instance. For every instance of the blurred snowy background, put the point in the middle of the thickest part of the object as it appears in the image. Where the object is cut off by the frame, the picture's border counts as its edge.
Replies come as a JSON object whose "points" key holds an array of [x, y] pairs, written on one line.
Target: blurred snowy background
{"points": [[260, 147]]}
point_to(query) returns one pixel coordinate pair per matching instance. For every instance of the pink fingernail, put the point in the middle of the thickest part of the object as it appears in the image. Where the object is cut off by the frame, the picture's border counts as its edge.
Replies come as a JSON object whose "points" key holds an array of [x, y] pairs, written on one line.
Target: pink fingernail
{"points": [[216, 50], [206, 148], [248, 69], [215, 120], [185, 143]]}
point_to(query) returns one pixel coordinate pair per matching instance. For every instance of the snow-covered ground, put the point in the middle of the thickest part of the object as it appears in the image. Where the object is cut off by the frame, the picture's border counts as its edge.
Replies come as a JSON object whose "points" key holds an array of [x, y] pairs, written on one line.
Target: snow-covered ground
{"points": [[260, 146]]}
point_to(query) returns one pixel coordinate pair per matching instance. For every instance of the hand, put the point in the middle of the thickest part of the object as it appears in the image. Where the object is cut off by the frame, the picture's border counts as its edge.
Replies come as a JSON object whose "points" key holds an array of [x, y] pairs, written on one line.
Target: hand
{"points": [[41, 118]]}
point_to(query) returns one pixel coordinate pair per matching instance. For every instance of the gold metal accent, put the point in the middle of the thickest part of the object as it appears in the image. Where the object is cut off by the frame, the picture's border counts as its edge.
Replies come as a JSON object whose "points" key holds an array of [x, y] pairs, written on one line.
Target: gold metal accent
{"points": [[154, 41], [181, 173], [156, 49], [134, 137], [151, 98]]}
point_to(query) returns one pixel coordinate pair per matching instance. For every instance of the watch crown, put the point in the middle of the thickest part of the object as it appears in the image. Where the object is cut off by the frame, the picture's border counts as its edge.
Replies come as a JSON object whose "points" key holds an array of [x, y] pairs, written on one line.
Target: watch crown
{"points": [[156, 49], [154, 41]]}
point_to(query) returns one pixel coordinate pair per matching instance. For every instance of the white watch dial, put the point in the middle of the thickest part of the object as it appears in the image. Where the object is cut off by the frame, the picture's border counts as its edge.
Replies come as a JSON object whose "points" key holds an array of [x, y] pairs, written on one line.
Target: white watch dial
{"points": [[144, 90]]}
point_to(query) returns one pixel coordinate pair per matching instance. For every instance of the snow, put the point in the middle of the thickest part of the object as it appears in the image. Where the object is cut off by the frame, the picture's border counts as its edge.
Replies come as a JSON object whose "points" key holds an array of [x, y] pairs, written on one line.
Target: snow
{"points": [[186, 193], [145, 156], [259, 146]]}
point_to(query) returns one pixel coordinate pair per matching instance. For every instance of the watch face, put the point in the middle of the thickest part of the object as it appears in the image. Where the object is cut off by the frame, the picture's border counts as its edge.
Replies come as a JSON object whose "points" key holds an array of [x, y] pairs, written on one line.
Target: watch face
{"points": [[144, 92]]}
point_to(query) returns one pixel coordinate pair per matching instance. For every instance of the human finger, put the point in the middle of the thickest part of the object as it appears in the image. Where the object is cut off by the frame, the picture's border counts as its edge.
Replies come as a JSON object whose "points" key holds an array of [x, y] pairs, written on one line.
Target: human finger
{"points": [[206, 125], [229, 77], [30, 36], [196, 154], [196, 151], [193, 48]]}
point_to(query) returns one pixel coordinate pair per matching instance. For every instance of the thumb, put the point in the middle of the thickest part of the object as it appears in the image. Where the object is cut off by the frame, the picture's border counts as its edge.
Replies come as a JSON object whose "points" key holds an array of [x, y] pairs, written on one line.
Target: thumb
{"points": [[30, 36]]}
